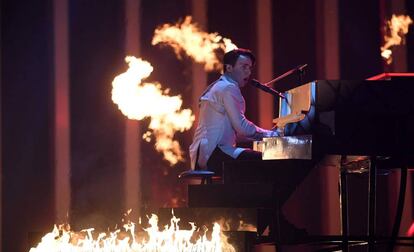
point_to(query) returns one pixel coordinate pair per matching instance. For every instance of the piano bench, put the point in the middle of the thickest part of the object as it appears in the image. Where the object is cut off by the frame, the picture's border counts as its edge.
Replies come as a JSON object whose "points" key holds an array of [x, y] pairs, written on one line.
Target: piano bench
{"points": [[206, 177]]}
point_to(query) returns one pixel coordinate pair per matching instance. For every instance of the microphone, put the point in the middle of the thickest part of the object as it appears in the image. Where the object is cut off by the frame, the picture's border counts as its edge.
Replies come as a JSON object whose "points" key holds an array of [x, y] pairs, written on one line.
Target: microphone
{"points": [[265, 88]]}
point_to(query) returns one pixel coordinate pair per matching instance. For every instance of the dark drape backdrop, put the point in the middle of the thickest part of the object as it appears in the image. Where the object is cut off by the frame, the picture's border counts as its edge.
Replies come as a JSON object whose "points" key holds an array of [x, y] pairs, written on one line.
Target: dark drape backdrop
{"points": [[360, 39], [96, 33], [26, 83], [96, 56]]}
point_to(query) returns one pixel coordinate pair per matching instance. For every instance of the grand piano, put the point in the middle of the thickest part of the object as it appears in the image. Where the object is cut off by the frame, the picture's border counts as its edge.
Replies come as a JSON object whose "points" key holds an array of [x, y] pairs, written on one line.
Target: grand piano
{"points": [[368, 117], [372, 119]]}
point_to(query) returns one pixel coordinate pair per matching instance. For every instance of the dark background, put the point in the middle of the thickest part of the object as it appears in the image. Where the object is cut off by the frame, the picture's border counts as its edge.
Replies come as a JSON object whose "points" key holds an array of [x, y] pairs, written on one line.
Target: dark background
{"points": [[96, 32]]}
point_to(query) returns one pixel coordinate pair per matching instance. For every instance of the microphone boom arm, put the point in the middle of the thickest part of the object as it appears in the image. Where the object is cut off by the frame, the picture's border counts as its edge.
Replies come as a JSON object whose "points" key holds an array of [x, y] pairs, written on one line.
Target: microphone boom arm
{"points": [[296, 69], [265, 88]]}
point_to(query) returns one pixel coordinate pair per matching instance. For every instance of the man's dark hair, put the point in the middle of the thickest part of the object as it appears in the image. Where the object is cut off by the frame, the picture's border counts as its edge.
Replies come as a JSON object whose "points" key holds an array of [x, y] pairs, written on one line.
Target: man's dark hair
{"points": [[231, 57]]}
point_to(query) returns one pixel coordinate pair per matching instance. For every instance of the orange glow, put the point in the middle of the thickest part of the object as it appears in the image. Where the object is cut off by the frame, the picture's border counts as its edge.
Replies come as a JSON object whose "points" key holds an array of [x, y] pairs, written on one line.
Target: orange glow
{"points": [[187, 37], [138, 100], [410, 231], [171, 239], [397, 27]]}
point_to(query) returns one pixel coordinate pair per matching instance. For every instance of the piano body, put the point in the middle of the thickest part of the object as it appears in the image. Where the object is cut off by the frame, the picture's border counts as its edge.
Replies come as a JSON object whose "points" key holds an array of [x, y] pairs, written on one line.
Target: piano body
{"points": [[358, 117], [372, 118]]}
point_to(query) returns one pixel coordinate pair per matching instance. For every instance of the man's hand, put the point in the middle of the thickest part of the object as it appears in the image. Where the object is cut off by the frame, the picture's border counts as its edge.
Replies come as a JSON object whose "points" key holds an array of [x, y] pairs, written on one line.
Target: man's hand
{"points": [[271, 133]]}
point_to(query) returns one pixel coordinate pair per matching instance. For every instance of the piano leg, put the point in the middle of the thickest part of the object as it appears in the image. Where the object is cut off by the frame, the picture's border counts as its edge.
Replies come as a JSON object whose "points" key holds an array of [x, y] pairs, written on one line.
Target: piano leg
{"points": [[277, 221], [343, 187], [400, 208], [375, 166], [372, 203]]}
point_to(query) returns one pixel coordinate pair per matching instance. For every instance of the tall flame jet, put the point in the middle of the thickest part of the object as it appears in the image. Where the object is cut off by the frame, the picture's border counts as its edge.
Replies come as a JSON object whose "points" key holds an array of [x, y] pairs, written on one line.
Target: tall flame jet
{"points": [[188, 38], [138, 100], [397, 27]]}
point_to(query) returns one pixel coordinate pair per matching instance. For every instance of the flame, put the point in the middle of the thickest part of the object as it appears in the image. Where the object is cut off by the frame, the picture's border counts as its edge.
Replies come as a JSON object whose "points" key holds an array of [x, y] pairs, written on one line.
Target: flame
{"points": [[244, 226], [172, 238], [226, 224], [189, 38], [138, 100], [397, 28]]}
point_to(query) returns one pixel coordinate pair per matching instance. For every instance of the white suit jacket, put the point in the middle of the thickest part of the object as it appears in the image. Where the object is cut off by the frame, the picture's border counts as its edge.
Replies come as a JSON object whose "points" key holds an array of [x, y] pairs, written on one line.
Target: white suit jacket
{"points": [[222, 109]]}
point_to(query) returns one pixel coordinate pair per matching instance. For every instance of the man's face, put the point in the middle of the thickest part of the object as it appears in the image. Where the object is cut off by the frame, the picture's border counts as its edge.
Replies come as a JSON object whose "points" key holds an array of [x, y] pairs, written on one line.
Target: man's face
{"points": [[241, 71]]}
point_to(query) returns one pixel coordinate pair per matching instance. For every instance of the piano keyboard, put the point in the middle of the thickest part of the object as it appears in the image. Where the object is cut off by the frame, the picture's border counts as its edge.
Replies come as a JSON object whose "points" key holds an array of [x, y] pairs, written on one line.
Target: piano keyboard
{"points": [[287, 147]]}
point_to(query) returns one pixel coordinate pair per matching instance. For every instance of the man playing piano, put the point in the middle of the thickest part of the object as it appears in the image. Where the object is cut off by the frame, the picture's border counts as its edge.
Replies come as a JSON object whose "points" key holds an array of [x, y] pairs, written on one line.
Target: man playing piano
{"points": [[222, 121], [222, 118]]}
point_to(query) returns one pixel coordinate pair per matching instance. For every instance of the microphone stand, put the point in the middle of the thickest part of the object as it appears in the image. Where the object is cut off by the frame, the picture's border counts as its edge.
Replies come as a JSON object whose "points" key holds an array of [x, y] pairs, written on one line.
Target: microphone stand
{"points": [[298, 69], [265, 87]]}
